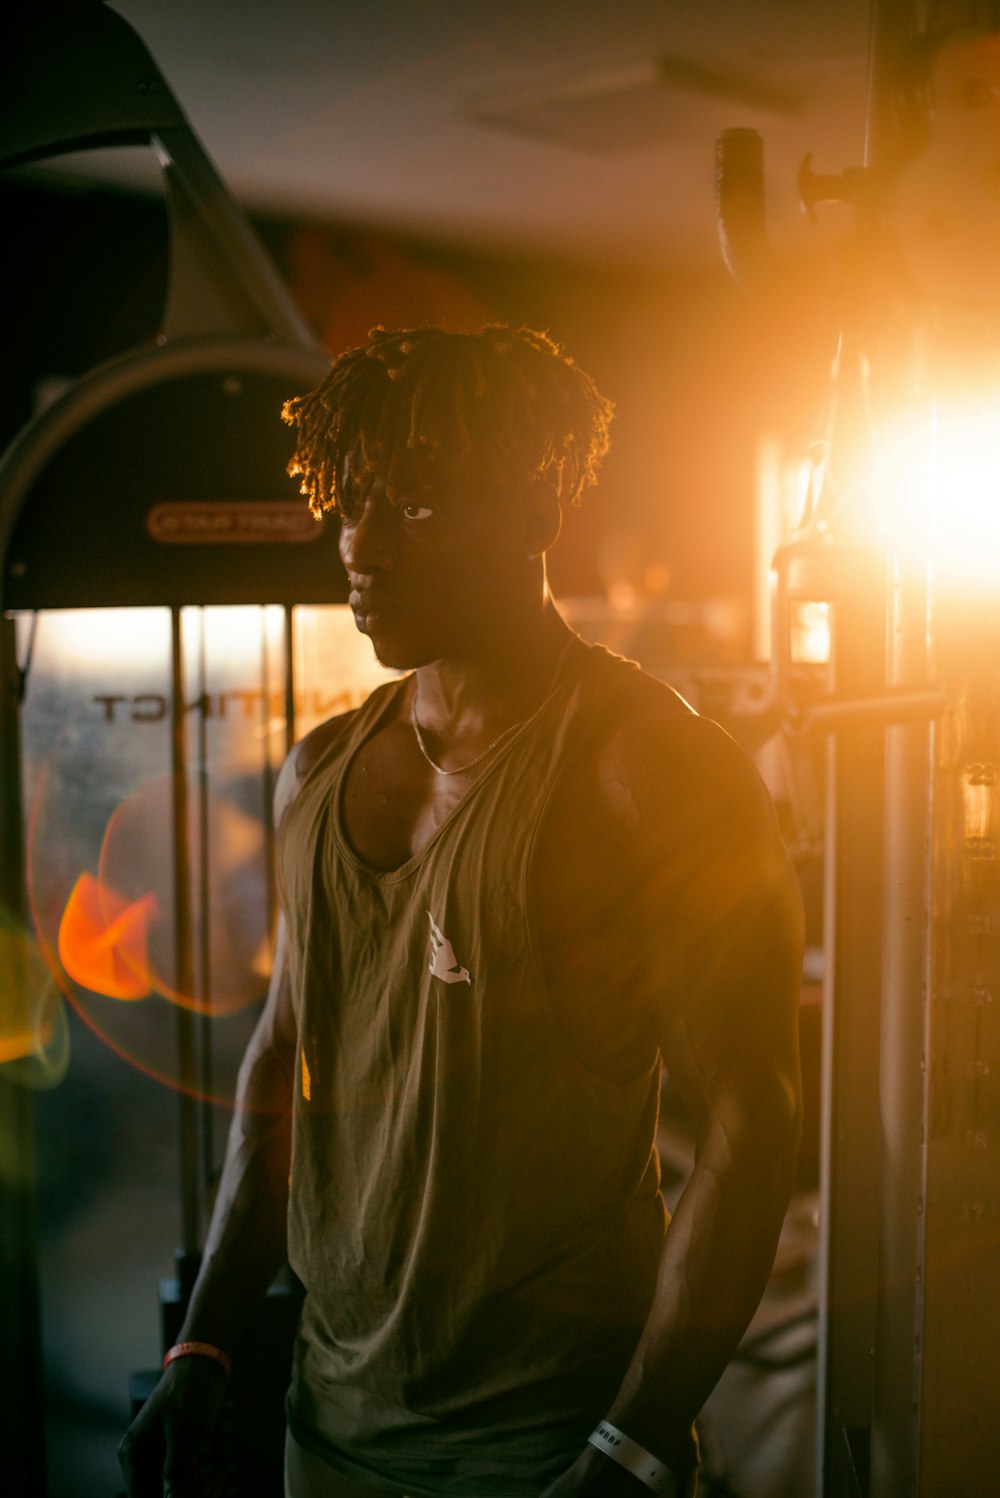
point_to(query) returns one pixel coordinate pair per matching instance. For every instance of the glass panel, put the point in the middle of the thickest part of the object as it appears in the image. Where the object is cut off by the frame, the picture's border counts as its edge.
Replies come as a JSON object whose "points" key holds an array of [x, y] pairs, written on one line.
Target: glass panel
{"points": [[234, 741], [104, 812], [157, 962], [335, 667], [96, 736], [96, 756]]}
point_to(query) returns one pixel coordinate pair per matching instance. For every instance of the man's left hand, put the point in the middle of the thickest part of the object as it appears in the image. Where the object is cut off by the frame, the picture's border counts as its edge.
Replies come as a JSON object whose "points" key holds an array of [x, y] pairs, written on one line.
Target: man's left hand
{"points": [[595, 1475]]}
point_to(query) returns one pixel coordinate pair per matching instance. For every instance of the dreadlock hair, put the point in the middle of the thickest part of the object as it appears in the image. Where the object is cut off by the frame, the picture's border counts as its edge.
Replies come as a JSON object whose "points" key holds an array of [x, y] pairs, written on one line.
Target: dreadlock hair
{"points": [[511, 399]]}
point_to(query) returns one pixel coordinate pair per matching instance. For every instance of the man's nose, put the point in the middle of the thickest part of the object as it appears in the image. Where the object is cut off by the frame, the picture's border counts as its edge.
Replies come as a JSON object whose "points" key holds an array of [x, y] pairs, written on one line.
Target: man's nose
{"points": [[365, 543]]}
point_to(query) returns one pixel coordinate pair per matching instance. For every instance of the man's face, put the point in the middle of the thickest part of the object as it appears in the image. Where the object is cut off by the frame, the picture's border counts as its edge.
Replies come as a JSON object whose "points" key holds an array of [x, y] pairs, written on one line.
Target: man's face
{"points": [[431, 558]]}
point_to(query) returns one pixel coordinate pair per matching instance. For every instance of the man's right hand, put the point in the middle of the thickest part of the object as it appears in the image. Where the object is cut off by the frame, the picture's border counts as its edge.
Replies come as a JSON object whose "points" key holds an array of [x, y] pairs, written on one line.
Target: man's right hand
{"points": [[163, 1452]]}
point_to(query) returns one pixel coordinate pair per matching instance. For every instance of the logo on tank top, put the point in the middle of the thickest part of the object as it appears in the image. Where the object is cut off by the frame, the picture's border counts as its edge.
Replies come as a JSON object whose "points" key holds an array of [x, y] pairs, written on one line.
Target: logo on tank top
{"points": [[444, 964]]}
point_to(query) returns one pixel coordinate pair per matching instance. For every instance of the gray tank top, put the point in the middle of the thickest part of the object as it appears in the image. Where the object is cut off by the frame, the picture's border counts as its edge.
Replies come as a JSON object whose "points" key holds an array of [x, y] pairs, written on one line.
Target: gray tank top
{"points": [[475, 1215]]}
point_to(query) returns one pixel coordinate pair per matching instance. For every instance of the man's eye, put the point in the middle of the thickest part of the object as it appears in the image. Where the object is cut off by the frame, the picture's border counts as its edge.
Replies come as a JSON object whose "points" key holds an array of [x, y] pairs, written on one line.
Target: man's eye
{"points": [[414, 511]]}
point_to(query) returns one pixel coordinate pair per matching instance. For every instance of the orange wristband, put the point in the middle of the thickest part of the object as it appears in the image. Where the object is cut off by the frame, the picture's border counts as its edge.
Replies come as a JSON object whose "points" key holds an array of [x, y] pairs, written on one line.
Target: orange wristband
{"points": [[198, 1350]]}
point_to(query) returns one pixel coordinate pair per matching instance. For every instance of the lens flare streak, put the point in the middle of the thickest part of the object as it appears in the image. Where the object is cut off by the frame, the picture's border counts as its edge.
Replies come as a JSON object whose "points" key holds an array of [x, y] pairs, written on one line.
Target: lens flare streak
{"points": [[104, 940], [34, 1037]]}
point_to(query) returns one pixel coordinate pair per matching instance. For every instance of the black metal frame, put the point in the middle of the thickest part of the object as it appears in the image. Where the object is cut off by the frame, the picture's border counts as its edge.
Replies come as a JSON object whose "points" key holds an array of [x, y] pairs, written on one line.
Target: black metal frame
{"points": [[75, 76]]}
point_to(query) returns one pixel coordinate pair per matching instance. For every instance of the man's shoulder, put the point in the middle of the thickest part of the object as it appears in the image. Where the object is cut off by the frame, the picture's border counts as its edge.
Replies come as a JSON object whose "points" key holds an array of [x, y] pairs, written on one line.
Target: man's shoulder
{"points": [[304, 756], [633, 688], [653, 738], [656, 771], [661, 809], [308, 753]]}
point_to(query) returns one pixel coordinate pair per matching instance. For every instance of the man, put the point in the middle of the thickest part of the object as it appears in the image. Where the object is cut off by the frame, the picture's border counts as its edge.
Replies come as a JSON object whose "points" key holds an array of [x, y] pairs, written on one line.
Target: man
{"points": [[515, 883]]}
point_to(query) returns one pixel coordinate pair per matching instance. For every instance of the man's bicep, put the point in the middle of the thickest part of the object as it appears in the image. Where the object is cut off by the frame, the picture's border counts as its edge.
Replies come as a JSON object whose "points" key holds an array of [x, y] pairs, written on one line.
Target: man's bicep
{"points": [[723, 914], [268, 1069], [269, 1060], [662, 883], [728, 1023]]}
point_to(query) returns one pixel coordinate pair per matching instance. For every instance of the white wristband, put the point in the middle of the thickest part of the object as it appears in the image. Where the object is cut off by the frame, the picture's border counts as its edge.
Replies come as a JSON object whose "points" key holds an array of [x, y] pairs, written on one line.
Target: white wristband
{"points": [[630, 1455]]}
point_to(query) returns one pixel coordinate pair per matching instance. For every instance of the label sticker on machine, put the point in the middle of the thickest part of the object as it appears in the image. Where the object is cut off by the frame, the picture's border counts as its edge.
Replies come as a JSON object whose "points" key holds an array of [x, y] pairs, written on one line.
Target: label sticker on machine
{"points": [[203, 522]]}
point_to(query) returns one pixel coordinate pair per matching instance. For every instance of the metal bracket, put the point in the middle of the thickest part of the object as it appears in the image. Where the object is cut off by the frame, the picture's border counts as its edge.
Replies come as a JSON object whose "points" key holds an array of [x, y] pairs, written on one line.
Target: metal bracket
{"points": [[76, 78], [849, 186]]}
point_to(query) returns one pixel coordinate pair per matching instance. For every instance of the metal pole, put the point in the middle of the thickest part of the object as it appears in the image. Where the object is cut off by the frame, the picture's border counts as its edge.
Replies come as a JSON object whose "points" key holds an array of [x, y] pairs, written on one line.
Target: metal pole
{"points": [[851, 1044], [186, 1034], [21, 1383], [853, 922], [902, 1103], [892, 25], [289, 644], [205, 1056], [220, 274], [267, 766], [959, 1432]]}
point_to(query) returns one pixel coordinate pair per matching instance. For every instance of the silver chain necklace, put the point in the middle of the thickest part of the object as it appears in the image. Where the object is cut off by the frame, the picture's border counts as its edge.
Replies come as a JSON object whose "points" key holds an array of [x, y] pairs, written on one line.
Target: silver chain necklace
{"points": [[461, 769]]}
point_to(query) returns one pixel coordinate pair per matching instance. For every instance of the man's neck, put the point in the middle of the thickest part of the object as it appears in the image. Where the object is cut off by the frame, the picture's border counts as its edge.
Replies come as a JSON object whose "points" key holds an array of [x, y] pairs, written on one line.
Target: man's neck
{"points": [[499, 681]]}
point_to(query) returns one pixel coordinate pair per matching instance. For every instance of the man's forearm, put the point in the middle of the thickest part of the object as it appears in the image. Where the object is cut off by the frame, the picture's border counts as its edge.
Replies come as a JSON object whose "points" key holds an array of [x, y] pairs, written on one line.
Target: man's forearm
{"points": [[714, 1269], [246, 1242]]}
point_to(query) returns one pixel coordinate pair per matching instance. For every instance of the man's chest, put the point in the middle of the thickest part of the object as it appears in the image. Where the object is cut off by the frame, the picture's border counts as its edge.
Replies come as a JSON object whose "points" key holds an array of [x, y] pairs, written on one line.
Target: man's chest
{"points": [[556, 872], [392, 804]]}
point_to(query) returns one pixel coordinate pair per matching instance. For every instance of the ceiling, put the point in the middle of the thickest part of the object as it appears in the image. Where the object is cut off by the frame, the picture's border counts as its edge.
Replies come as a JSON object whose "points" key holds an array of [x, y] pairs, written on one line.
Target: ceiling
{"points": [[584, 129]]}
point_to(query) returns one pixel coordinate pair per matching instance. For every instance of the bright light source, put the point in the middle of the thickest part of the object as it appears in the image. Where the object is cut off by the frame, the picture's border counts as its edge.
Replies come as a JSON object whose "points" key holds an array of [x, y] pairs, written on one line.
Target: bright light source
{"points": [[940, 484], [235, 632], [124, 638]]}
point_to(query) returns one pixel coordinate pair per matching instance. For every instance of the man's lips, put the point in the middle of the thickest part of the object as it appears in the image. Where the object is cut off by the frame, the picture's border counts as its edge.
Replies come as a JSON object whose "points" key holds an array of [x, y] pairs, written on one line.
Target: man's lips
{"points": [[369, 605]]}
